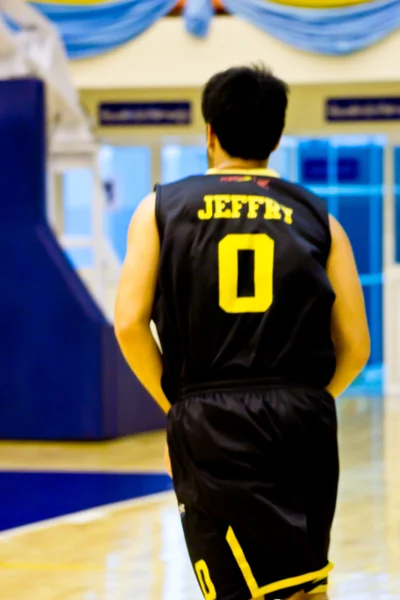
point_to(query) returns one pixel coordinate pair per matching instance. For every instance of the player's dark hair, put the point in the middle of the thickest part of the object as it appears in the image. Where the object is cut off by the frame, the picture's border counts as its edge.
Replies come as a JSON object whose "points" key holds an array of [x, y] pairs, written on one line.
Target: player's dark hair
{"points": [[246, 108]]}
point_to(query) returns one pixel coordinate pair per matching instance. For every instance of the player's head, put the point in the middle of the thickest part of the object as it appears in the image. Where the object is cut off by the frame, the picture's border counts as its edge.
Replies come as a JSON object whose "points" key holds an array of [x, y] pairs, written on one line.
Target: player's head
{"points": [[244, 109]]}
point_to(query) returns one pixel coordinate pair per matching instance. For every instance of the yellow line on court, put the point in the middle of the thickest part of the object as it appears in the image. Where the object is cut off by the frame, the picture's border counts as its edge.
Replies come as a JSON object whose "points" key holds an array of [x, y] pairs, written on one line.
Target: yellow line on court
{"points": [[62, 567]]}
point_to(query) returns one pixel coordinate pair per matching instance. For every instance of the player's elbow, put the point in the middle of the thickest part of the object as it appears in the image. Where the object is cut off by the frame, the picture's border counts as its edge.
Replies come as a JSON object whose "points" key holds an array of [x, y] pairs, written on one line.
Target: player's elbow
{"points": [[130, 340], [122, 331], [127, 325], [362, 352], [357, 347]]}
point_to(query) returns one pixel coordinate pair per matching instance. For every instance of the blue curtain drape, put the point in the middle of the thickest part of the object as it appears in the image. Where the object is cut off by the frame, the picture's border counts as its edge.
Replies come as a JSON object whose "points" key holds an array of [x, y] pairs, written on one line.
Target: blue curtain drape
{"points": [[89, 30], [93, 29], [324, 31], [198, 15]]}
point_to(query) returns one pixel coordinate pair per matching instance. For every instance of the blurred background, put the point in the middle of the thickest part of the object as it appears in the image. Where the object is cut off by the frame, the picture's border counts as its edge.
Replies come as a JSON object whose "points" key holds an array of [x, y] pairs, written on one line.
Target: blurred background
{"points": [[98, 102]]}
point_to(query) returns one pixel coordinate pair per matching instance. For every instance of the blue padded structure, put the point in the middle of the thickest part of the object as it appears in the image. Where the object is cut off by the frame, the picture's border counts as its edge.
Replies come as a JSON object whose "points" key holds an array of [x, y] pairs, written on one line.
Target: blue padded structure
{"points": [[62, 375]]}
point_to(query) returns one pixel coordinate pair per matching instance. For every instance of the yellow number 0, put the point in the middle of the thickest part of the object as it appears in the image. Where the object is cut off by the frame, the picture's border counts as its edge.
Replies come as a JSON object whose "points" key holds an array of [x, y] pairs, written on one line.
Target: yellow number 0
{"points": [[228, 248], [203, 575]]}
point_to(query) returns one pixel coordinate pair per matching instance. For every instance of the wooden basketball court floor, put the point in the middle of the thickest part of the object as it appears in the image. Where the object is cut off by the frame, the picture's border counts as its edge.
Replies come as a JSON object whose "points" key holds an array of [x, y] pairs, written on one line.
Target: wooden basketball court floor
{"points": [[127, 544]]}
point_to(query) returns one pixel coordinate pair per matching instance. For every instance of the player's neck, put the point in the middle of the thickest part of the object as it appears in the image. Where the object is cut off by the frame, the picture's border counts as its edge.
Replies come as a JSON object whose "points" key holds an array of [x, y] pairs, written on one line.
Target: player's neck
{"points": [[237, 163]]}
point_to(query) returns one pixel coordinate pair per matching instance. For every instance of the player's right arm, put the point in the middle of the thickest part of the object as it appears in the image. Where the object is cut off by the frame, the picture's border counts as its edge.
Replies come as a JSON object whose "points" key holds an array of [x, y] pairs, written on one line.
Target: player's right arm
{"points": [[349, 326]]}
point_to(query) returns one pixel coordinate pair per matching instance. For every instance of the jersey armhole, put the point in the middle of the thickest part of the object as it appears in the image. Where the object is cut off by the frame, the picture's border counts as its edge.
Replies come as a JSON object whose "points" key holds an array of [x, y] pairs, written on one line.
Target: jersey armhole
{"points": [[328, 226], [319, 208]]}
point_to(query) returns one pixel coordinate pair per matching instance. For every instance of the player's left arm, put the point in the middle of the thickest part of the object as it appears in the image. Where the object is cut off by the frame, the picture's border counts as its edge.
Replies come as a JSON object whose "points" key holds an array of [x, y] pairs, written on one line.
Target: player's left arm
{"points": [[135, 299]]}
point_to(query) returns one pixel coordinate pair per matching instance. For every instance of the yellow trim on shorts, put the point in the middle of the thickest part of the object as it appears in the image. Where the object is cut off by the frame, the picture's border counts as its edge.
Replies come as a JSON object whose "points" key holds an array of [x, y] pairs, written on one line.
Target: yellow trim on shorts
{"points": [[321, 589], [259, 172], [271, 587]]}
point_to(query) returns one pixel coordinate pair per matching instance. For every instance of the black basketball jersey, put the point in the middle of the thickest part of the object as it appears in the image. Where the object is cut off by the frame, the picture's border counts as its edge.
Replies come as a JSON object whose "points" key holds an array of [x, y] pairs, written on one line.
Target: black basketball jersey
{"points": [[242, 295]]}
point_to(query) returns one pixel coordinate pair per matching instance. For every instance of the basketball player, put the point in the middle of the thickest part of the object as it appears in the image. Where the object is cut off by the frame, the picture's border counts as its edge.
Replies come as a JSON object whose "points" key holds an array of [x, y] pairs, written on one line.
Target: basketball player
{"points": [[261, 318]]}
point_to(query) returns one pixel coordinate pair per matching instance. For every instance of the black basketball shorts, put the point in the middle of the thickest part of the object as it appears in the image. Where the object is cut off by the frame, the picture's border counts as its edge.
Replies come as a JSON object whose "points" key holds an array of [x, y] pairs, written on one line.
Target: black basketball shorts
{"points": [[256, 476]]}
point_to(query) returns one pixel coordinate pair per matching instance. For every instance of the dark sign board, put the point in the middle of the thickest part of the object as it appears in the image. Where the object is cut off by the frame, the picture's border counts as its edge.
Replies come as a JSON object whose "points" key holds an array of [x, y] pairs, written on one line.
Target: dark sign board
{"points": [[362, 109], [131, 114]]}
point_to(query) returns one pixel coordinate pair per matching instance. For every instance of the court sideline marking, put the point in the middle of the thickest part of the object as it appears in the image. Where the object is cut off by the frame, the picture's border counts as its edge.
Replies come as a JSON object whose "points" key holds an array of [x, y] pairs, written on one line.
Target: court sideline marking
{"points": [[85, 516]]}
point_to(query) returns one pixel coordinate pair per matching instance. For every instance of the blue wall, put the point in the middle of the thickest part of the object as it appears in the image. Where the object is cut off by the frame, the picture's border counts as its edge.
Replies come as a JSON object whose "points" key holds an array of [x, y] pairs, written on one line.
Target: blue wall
{"points": [[127, 176], [348, 173]]}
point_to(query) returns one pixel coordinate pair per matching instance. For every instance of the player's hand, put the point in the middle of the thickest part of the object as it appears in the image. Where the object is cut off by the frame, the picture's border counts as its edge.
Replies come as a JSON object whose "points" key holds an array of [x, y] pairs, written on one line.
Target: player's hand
{"points": [[167, 461]]}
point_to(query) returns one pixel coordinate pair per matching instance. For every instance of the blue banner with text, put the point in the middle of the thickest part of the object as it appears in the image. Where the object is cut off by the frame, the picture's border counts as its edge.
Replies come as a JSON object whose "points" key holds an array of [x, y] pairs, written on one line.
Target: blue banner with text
{"points": [[362, 109], [130, 114]]}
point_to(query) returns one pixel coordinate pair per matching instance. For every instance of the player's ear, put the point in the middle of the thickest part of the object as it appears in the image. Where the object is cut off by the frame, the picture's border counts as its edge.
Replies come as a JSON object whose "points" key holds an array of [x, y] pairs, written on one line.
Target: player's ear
{"points": [[210, 138]]}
